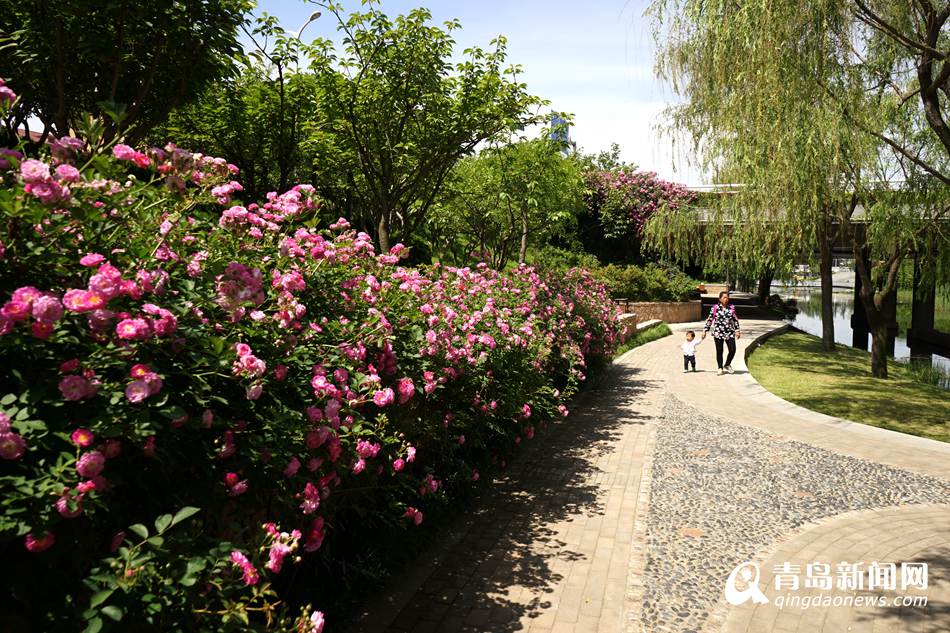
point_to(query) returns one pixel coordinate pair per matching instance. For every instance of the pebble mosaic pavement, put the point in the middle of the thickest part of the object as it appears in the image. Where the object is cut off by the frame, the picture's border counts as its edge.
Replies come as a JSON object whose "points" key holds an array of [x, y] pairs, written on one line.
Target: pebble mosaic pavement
{"points": [[721, 492]]}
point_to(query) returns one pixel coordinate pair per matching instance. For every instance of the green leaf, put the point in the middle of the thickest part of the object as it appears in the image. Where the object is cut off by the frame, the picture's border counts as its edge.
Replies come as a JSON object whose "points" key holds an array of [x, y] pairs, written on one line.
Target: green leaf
{"points": [[93, 626], [184, 513], [113, 612], [156, 541], [8, 399], [100, 597], [162, 523], [140, 529]]}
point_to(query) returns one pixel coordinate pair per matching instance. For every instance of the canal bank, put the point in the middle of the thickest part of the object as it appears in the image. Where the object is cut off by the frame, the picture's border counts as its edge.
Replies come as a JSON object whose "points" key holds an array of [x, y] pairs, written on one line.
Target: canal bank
{"points": [[808, 319]]}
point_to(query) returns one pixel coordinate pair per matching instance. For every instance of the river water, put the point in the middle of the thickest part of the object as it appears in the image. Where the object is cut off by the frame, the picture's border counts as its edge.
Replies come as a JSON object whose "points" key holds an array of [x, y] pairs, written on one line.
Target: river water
{"points": [[808, 319]]}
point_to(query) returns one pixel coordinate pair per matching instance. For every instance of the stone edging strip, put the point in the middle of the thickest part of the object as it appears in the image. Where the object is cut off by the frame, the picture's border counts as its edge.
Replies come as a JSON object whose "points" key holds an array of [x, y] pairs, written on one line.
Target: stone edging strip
{"points": [[757, 341], [633, 597], [753, 390]]}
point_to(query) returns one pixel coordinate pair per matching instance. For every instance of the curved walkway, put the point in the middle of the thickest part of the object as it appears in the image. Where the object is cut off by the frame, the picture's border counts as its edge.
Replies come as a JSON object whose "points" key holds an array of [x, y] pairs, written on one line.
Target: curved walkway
{"points": [[629, 515]]}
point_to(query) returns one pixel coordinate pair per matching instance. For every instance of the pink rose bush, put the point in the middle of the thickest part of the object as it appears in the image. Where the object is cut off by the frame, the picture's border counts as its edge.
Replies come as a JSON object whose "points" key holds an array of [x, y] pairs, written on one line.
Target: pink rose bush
{"points": [[169, 348]]}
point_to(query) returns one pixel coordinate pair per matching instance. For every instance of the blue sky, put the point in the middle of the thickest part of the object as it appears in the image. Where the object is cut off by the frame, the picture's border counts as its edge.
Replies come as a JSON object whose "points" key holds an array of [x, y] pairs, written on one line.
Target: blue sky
{"points": [[592, 59]]}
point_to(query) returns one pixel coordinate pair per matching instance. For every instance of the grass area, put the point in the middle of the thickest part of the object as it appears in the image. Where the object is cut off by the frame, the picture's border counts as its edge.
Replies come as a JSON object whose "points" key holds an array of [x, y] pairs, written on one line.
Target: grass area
{"points": [[646, 336], [794, 367]]}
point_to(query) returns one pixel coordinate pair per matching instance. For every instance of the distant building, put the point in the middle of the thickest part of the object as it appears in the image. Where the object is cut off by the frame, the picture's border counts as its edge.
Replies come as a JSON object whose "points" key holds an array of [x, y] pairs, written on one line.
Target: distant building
{"points": [[560, 130]]}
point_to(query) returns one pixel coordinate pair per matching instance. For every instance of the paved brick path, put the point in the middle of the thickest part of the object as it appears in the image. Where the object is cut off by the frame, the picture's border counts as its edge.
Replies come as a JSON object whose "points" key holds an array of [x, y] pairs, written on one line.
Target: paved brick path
{"points": [[560, 544]]}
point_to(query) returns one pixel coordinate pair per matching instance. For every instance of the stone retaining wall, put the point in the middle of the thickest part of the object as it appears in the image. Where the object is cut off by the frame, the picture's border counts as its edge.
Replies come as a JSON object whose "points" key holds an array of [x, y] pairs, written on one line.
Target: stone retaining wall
{"points": [[667, 311], [628, 326]]}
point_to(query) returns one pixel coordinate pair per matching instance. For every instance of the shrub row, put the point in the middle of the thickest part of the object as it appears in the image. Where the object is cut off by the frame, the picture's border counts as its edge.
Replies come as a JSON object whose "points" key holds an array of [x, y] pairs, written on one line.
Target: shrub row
{"points": [[652, 282], [207, 405]]}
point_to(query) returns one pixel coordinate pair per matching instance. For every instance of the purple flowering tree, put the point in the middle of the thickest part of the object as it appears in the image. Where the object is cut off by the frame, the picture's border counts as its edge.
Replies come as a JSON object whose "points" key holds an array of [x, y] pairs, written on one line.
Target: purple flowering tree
{"points": [[619, 202]]}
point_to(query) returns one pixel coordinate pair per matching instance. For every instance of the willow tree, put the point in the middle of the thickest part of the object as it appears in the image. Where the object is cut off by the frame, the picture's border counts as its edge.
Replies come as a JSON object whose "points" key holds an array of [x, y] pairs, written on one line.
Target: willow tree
{"points": [[809, 106], [751, 76]]}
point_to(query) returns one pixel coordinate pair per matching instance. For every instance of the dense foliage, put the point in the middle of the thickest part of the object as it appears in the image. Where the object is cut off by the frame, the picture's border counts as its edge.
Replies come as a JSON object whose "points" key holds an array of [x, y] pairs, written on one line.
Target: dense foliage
{"points": [[506, 199], [198, 393], [651, 282], [647, 283], [129, 62]]}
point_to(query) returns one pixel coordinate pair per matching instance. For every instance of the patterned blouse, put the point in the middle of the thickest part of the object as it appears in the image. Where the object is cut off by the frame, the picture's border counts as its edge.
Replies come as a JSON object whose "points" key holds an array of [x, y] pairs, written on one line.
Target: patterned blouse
{"points": [[723, 321]]}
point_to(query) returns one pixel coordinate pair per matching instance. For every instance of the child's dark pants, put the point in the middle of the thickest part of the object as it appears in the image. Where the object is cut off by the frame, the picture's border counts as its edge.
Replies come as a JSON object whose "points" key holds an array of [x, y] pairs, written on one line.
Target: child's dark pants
{"points": [[687, 361]]}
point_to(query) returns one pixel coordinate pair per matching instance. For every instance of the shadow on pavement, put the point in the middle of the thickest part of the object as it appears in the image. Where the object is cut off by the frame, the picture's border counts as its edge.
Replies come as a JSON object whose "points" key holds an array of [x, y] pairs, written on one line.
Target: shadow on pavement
{"points": [[479, 584], [932, 618]]}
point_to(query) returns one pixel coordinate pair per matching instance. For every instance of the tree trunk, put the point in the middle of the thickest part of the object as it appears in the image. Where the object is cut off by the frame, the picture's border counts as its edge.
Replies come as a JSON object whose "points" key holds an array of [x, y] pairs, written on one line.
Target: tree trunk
{"points": [[382, 230], [765, 287], [827, 307], [878, 329], [523, 250]]}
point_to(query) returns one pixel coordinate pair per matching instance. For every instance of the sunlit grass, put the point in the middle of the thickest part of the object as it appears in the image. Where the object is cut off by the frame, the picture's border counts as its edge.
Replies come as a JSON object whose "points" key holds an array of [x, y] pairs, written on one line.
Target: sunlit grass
{"points": [[793, 366], [642, 338]]}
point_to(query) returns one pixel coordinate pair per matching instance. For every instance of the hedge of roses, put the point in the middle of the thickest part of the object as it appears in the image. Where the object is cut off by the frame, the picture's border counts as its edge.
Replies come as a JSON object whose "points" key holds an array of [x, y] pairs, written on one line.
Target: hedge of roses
{"points": [[207, 406]]}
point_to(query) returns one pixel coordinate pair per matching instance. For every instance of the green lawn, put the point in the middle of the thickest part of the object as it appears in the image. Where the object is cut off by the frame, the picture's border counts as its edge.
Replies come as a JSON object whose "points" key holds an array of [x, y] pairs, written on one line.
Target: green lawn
{"points": [[642, 338], [794, 367]]}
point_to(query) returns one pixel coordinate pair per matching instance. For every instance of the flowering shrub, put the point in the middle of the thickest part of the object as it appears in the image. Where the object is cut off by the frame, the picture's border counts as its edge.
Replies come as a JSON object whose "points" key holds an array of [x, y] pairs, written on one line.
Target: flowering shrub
{"points": [[624, 200], [200, 395]]}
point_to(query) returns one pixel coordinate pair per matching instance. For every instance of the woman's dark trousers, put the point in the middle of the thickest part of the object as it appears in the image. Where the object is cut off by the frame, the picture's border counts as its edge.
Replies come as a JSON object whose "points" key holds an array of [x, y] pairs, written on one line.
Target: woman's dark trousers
{"points": [[731, 344]]}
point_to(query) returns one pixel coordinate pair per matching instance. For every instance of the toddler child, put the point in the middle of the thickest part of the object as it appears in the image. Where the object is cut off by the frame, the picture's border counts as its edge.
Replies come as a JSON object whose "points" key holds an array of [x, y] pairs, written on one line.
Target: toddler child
{"points": [[689, 350]]}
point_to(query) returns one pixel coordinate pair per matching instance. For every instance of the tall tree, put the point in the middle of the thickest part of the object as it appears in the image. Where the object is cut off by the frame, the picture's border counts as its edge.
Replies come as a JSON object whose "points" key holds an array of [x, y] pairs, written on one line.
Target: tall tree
{"points": [[265, 119], [125, 61], [505, 199], [403, 115]]}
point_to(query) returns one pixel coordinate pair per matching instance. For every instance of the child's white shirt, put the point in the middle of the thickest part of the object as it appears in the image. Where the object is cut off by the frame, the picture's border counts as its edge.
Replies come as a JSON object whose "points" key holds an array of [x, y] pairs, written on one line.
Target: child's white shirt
{"points": [[689, 347]]}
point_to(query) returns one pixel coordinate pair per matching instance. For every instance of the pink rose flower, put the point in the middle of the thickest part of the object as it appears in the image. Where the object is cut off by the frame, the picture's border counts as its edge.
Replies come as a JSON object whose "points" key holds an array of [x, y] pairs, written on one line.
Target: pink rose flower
{"points": [[92, 259], [47, 308], [413, 515], [292, 467], [137, 391], [90, 464], [384, 397], [251, 575], [34, 171], [82, 437], [67, 173], [133, 329], [12, 446], [76, 388], [406, 389], [39, 544], [313, 624]]}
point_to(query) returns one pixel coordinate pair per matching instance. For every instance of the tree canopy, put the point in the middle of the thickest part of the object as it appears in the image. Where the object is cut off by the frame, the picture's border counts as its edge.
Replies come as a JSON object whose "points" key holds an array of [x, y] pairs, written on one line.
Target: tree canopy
{"points": [[506, 198], [402, 115], [125, 61]]}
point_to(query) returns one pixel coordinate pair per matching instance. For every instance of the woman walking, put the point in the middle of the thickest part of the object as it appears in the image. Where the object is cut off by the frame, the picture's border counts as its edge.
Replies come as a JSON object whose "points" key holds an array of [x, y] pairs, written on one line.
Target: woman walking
{"points": [[725, 328]]}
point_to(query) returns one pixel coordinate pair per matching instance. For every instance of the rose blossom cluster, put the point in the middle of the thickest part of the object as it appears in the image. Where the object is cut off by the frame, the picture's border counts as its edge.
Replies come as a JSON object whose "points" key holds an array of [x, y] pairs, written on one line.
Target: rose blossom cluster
{"points": [[28, 304], [49, 188]]}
